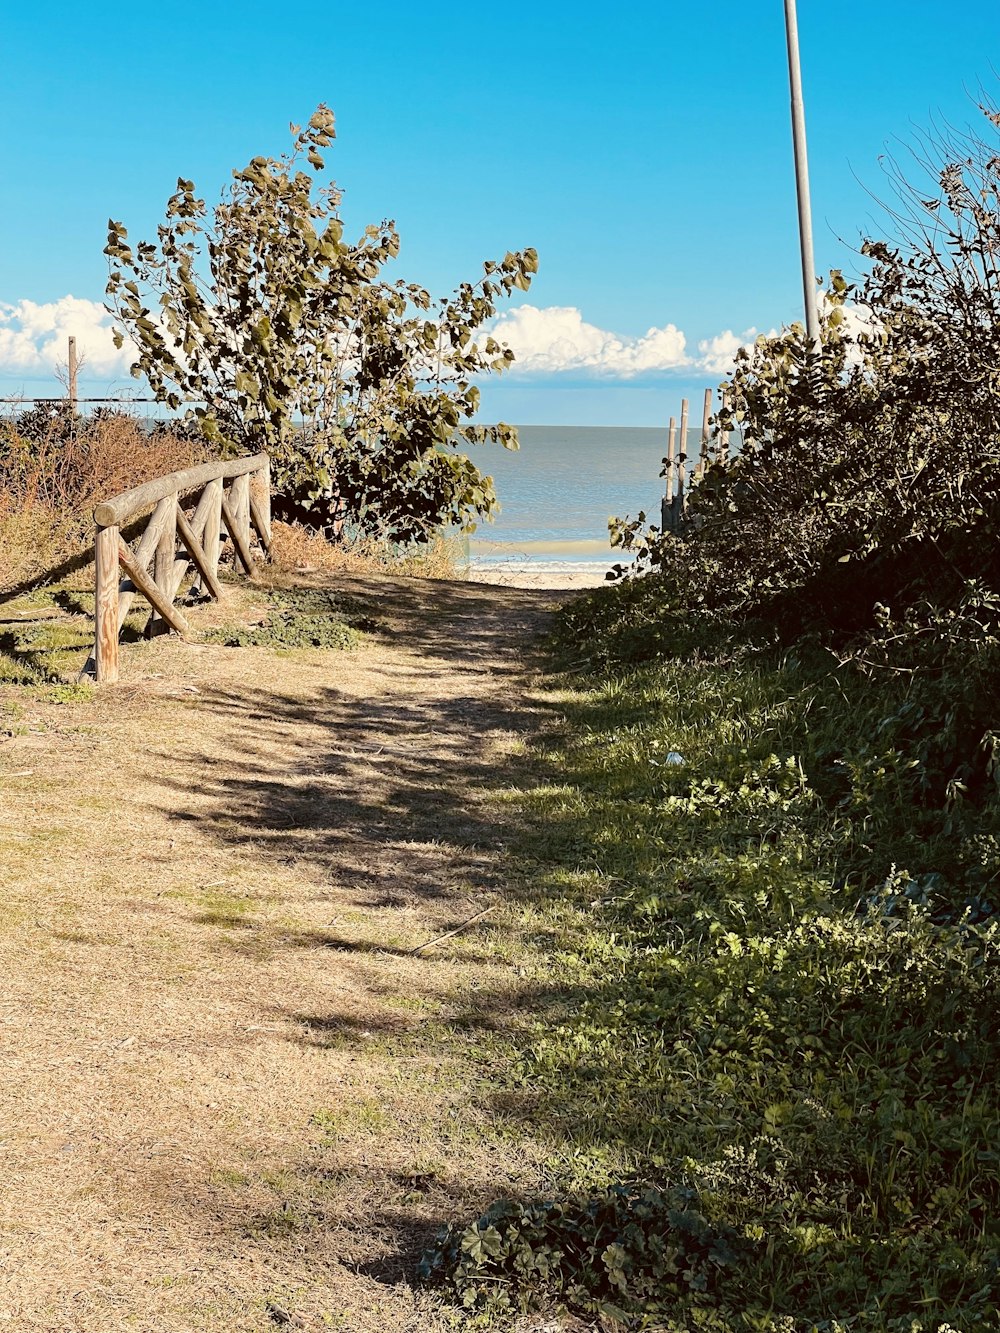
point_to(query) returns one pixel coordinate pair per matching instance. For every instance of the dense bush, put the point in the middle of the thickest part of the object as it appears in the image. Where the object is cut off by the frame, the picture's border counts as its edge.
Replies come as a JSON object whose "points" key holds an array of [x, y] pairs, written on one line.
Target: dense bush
{"points": [[870, 469], [864, 505]]}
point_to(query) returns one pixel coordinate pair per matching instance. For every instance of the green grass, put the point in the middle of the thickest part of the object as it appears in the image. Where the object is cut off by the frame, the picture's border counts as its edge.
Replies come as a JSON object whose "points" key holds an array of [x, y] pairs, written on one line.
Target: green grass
{"points": [[767, 1068], [46, 636], [300, 618]]}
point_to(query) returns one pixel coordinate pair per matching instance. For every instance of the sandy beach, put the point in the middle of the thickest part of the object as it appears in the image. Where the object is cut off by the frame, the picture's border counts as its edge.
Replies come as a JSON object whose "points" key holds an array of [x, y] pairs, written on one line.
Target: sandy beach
{"points": [[522, 575]]}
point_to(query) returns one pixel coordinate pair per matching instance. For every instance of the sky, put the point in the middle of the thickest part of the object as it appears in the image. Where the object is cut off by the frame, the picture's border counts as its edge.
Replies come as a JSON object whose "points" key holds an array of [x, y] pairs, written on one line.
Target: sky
{"points": [[643, 149]]}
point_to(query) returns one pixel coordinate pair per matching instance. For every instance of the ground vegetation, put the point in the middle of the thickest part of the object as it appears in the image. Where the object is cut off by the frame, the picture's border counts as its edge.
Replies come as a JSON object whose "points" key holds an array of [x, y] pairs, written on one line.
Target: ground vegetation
{"points": [[773, 823]]}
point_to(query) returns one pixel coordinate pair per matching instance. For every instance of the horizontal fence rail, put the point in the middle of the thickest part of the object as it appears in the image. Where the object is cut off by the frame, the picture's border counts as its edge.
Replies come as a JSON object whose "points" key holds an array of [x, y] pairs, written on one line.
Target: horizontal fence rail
{"points": [[234, 501]]}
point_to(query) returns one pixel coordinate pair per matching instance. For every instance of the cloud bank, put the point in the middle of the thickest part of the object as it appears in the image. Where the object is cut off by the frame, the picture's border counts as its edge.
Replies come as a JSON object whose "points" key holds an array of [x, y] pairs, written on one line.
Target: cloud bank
{"points": [[548, 342], [557, 340], [33, 338], [718, 353]]}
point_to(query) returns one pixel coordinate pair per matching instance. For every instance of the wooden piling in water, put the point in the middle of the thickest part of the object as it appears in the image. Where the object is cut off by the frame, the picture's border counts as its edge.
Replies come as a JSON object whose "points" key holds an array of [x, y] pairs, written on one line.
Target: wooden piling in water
{"points": [[706, 414], [667, 507]]}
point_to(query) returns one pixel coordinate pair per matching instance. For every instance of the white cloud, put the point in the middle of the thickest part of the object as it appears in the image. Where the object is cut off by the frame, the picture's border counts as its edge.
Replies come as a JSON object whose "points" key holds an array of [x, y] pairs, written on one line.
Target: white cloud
{"points": [[557, 339], [33, 338], [718, 353], [546, 341]]}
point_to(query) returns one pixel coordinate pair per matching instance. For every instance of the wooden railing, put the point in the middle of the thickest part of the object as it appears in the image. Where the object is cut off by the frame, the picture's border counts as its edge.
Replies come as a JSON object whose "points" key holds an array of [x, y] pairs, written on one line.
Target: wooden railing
{"points": [[174, 539]]}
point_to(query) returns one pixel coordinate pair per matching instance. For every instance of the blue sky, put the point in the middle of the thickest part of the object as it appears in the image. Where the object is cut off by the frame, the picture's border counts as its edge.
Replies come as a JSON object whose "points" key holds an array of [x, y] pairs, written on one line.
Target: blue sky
{"points": [[644, 150]]}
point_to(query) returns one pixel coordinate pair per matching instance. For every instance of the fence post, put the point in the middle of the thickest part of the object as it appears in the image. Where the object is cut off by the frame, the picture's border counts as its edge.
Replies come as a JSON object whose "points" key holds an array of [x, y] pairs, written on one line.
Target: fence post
{"points": [[240, 504], [704, 429], [106, 578], [265, 501], [260, 505], [682, 459], [213, 525], [163, 570]]}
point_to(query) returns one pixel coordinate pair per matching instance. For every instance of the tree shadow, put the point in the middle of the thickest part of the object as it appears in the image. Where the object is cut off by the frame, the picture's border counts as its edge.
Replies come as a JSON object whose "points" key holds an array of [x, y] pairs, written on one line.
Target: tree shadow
{"points": [[386, 805]]}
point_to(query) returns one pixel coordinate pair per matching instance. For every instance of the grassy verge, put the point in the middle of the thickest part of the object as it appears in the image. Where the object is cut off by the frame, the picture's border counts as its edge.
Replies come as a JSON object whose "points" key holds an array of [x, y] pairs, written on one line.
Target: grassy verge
{"points": [[769, 1075]]}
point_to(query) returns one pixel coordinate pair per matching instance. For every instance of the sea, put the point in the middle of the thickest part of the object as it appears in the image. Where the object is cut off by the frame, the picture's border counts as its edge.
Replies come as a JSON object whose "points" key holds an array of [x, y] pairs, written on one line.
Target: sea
{"points": [[558, 491]]}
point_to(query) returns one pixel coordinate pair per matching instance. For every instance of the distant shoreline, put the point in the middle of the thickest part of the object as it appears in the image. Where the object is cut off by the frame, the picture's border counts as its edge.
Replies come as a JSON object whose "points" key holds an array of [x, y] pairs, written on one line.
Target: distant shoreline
{"points": [[562, 574]]}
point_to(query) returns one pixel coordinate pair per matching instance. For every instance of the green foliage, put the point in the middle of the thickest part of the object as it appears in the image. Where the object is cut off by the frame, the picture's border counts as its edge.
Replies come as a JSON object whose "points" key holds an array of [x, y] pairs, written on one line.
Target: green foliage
{"points": [[360, 388], [302, 618], [864, 505], [618, 1252], [870, 467], [777, 964]]}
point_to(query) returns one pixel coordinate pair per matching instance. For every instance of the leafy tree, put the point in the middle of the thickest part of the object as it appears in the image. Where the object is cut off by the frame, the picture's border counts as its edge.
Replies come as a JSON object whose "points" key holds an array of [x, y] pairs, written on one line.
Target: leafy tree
{"points": [[291, 340]]}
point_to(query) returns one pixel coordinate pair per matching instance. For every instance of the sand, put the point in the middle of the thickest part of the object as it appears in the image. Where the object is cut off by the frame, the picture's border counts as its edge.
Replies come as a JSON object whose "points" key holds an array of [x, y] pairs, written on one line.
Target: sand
{"points": [[517, 575]]}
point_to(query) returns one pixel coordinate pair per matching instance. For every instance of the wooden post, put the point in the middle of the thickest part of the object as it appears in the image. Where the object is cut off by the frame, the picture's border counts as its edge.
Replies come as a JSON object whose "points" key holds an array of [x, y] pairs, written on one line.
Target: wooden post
{"points": [[106, 578], [239, 503], [190, 539], [150, 591], [682, 457], [265, 497], [260, 505], [71, 366], [723, 454], [163, 568], [213, 523], [235, 529], [144, 553], [704, 429], [667, 516]]}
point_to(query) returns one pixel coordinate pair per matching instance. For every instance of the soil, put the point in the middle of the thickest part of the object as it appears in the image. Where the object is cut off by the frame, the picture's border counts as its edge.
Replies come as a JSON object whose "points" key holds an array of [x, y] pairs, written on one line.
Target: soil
{"points": [[233, 1097]]}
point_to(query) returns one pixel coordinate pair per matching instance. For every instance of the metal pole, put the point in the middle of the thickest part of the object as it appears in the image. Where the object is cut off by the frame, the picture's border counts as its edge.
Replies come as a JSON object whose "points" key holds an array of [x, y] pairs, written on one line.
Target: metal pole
{"points": [[801, 173]]}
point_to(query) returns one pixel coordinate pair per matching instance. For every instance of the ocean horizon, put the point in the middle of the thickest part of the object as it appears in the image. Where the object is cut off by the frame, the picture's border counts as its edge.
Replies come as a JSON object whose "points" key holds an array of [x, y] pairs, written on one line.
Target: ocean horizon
{"points": [[558, 491]]}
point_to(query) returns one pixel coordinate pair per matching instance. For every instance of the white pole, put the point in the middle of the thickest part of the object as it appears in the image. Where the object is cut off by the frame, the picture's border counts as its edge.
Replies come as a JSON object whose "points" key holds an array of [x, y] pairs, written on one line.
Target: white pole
{"points": [[801, 173]]}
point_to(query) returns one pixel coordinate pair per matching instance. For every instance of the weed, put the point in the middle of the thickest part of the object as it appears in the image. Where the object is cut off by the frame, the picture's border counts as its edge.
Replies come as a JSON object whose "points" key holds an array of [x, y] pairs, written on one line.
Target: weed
{"points": [[300, 618]]}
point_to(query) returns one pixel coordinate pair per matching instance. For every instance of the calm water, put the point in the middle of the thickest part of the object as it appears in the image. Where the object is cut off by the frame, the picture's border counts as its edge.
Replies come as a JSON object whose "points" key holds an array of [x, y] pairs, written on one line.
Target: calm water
{"points": [[559, 490]]}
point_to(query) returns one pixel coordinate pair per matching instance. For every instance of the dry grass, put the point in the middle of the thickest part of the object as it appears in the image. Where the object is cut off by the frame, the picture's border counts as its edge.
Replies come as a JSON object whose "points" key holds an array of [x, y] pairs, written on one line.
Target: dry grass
{"points": [[50, 484], [234, 1098], [297, 550]]}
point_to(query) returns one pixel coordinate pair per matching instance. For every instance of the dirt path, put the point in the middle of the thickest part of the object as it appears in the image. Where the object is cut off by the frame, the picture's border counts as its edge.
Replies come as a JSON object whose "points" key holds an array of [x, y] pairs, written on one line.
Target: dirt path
{"points": [[213, 1111]]}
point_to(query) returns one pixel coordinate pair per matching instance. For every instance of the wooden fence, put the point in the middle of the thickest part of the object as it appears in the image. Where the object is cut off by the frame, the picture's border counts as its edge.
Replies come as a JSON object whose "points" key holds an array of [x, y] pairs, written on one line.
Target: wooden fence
{"points": [[675, 465], [174, 539]]}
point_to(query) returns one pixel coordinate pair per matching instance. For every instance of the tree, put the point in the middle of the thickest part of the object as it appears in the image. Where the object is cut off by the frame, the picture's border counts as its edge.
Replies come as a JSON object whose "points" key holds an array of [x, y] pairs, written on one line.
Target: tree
{"points": [[292, 341]]}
